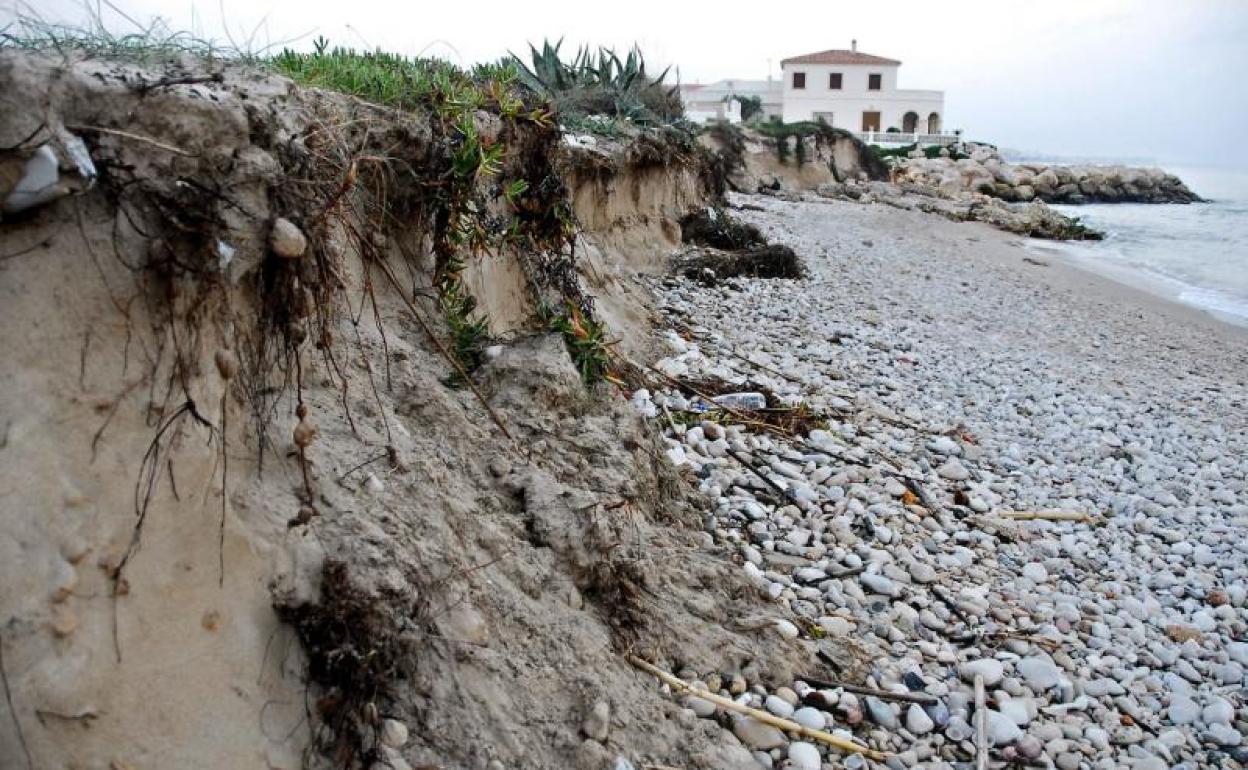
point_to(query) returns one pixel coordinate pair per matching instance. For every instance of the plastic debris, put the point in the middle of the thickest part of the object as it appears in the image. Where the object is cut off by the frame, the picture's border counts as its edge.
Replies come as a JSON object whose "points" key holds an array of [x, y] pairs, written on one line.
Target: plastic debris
{"points": [[40, 182], [749, 400]]}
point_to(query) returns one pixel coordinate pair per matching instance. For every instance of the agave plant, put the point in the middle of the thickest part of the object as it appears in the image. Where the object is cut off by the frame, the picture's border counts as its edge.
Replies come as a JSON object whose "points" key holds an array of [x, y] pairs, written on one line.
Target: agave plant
{"points": [[550, 75], [600, 84]]}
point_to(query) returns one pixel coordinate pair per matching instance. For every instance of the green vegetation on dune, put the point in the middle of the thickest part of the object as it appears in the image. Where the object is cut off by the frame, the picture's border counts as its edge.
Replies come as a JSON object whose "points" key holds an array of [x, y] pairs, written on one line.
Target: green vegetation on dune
{"points": [[600, 84], [586, 340], [930, 151], [410, 83]]}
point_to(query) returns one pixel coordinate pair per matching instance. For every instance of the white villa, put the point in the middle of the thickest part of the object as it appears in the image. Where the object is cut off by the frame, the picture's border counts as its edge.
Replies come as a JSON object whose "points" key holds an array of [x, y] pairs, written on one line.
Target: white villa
{"points": [[846, 89]]}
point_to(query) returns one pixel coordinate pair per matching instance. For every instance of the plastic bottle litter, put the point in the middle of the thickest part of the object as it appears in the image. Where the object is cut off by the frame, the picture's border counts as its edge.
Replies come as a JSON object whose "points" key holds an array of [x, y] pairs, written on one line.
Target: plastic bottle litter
{"points": [[749, 400]]}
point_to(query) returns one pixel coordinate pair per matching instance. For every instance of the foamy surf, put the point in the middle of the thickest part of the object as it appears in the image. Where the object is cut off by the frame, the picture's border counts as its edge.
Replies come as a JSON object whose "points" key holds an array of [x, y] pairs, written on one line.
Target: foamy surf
{"points": [[1195, 254]]}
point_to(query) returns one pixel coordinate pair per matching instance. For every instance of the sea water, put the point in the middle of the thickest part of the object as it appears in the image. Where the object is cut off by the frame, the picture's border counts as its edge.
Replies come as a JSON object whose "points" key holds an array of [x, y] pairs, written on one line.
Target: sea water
{"points": [[1195, 253]]}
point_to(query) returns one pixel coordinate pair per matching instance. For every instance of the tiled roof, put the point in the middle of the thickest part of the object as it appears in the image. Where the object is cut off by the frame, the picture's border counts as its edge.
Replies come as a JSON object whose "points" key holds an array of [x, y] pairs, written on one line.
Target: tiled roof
{"points": [[839, 57]]}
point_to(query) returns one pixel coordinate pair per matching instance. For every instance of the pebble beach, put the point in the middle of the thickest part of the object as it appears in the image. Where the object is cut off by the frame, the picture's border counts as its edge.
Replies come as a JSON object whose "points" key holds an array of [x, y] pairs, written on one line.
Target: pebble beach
{"points": [[1030, 476]]}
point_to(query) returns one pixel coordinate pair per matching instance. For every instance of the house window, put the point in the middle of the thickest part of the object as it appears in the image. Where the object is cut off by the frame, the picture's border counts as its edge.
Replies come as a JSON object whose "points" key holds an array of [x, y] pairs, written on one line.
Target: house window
{"points": [[834, 81], [873, 82], [799, 79]]}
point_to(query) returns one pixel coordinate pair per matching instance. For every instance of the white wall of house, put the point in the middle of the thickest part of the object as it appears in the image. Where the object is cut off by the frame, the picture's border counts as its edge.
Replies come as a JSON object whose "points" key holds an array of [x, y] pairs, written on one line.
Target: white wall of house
{"points": [[702, 111], [701, 99], [844, 108]]}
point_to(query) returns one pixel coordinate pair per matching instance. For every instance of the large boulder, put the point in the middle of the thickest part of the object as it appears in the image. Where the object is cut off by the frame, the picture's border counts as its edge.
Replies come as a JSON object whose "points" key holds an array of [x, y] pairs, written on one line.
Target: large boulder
{"points": [[1001, 172], [1067, 192], [1048, 178], [982, 154]]}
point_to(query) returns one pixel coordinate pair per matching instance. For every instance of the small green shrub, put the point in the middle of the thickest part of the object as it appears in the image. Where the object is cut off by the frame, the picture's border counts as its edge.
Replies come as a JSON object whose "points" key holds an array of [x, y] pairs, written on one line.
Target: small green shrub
{"points": [[727, 159], [780, 132], [931, 151], [750, 106], [586, 340], [469, 336]]}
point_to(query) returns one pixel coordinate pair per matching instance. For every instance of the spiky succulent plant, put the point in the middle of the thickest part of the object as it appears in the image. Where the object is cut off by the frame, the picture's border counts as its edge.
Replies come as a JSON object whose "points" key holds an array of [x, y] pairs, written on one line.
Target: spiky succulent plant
{"points": [[600, 83]]}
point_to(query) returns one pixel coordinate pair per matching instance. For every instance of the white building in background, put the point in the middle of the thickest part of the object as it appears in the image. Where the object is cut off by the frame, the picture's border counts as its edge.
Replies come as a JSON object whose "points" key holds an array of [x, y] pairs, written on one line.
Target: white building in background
{"points": [[714, 101], [846, 89], [858, 92]]}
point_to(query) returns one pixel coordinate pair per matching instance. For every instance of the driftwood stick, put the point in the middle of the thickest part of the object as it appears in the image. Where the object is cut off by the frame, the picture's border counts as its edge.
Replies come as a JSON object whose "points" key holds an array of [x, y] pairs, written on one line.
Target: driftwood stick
{"points": [[746, 462], [761, 716], [1047, 516], [952, 603], [133, 137], [921, 698], [981, 725], [891, 471], [752, 362], [181, 81]]}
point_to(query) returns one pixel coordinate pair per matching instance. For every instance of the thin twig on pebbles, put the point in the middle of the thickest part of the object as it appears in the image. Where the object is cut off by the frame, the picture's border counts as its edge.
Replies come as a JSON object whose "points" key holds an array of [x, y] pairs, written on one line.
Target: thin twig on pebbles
{"points": [[734, 454], [762, 716], [981, 725], [1077, 516]]}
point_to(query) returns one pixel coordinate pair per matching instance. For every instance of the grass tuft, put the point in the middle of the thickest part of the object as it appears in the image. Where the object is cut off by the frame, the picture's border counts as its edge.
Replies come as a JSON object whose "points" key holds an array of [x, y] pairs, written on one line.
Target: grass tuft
{"points": [[152, 42]]}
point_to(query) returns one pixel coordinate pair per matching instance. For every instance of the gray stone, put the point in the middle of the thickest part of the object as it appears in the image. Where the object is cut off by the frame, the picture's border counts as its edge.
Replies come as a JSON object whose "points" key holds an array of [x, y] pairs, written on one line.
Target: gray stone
{"points": [[917, 720], [393, 733], [1182, 710], [700, 706], [943, 445], [1218, 711], [991, 669], [804, 756], [756, 735], [778, 706], [287, 240], [881, 713], [1223, 735], [810, 717], [597, 724], [953, 470], [922, 572], [1039, 673], [879, 584], [1001, 729]]}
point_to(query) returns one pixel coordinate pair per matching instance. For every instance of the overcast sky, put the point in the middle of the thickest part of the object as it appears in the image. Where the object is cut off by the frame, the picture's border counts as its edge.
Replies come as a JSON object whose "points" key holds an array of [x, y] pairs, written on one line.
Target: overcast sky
{"points": [[1162, 80]]}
